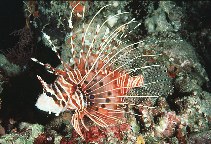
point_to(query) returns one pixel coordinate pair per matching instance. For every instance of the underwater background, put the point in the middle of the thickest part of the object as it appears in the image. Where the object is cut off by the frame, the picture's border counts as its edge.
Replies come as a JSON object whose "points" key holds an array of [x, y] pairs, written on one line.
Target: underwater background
{"points": [[180, 31]]}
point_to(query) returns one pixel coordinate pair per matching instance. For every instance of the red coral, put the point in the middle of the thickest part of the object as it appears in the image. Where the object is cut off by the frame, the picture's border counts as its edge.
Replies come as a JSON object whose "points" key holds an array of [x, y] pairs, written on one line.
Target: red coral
{"points": [[180, 135], [79, 7], [173, 71], [168, 125], [95, 134], [44, 139], [173, 121], [67, 141]]}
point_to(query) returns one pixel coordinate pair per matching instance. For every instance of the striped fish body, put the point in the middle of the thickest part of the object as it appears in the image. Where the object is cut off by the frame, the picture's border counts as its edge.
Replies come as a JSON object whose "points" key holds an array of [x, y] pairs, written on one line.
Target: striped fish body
{"points": [[103, 89], [92, 86], [98, 96]]}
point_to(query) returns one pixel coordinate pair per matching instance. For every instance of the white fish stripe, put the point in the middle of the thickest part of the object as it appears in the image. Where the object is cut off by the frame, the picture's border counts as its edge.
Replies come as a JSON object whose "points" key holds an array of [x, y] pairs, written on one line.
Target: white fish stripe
{"points": [[109, 73], [77, 77], [67, 72], [75, 123], [114, 90], [111, 117], [48, 88], [53, 92], [99, 122], [82, 121], [123, 84], [60, 94], [106, 83], [112, 35], [74, 80], [94, 39], [77, 100], [70, 104], [69, 100], [90, 24], [120, 96], [80, 100], [65, 82], [135, 81], [79, 74], [68, 90]]}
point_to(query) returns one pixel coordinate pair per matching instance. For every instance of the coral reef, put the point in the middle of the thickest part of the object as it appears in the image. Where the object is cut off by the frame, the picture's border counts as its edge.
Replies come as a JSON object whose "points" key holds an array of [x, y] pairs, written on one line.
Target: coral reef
{"points": [[167, 17], [8, 68], [27, 134], [182, 111], [200, 138], [22, 52], [1, 82]]}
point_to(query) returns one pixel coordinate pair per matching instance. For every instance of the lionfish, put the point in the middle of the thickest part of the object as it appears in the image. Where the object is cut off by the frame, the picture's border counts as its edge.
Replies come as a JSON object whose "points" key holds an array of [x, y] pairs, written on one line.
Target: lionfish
{"points": [[93, 86]]}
